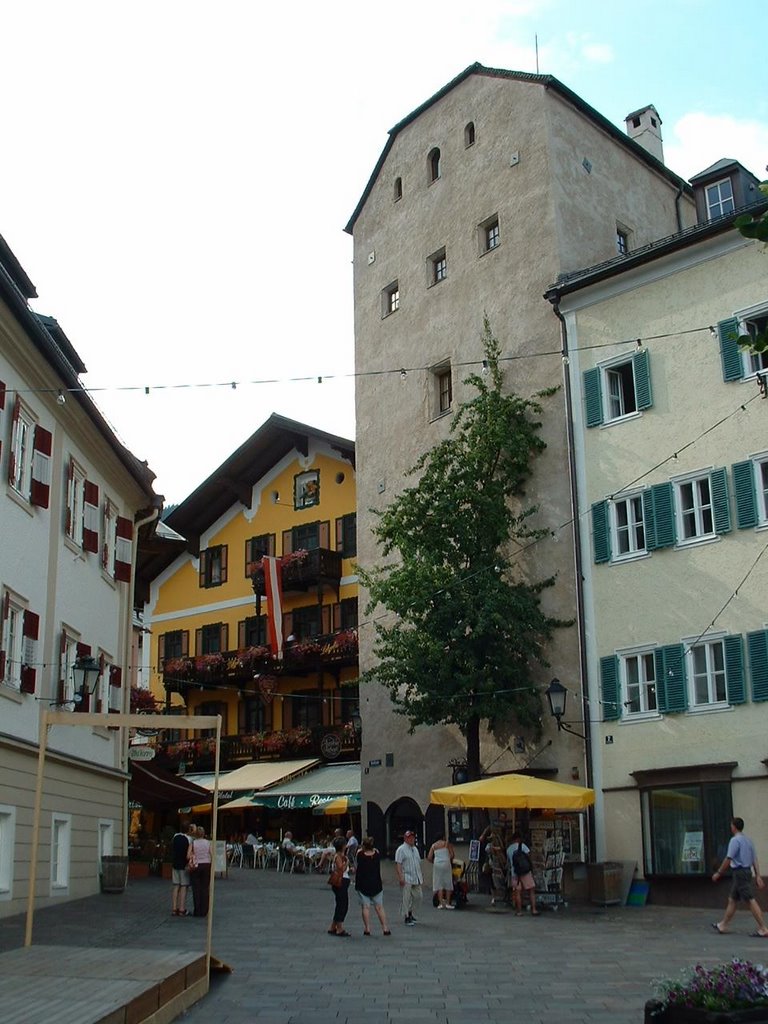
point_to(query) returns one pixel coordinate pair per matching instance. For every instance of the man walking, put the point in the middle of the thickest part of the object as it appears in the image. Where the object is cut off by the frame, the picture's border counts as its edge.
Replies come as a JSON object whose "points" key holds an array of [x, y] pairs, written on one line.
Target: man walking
{"points": [[740, 858], [408, 868]]}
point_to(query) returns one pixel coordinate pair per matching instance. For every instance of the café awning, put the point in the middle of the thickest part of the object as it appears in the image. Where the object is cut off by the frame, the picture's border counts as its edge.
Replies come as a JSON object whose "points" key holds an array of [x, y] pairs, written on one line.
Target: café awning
{"points": [[260, 774], [157, 789], [315, 790]]}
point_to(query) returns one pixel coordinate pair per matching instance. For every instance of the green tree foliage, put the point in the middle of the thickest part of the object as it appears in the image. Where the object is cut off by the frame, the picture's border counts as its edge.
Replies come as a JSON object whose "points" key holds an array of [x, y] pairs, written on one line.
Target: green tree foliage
{"points": [[466, 628]]}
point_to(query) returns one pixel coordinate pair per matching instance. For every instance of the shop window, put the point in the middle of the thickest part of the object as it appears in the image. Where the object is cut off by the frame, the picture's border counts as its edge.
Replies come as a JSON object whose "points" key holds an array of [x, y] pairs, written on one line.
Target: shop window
{"points": [[686, 827]]}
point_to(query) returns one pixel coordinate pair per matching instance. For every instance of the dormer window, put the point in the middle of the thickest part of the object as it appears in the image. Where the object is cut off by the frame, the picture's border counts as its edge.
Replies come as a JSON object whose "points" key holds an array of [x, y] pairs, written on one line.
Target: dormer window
{"points": [[719, 199], [433, 164]]}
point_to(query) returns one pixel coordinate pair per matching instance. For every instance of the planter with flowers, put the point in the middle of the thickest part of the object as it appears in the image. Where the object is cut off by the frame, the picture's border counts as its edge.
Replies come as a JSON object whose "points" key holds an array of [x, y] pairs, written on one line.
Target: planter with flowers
{"points": [[732, 993], [298, 740], [274, 743]]}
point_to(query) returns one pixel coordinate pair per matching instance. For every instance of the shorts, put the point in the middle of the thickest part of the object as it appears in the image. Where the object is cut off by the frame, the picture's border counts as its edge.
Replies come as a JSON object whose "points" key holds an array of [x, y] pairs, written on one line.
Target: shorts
{"points": [[371, 901], [180, 876], [741, 886], [525, 882]]}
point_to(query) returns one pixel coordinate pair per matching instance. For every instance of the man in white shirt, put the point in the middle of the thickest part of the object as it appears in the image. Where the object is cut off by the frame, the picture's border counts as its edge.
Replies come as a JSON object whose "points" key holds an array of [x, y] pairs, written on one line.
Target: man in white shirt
{"points": [[351, 847], [408, 868]]}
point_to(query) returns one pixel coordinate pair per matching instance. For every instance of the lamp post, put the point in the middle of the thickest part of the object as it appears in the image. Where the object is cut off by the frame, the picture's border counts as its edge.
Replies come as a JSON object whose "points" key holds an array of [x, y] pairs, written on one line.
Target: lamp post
{"points": [[556, 695], [357, 724], [85, 669]]}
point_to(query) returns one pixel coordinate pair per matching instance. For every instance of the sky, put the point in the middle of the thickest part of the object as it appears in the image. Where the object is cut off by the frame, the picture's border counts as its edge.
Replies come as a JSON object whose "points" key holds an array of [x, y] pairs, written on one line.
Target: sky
{"points": [[175, 176]]}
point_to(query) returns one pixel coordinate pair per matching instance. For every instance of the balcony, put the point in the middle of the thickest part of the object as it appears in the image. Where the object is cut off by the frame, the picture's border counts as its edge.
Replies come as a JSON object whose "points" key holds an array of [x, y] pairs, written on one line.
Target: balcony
{"points": [[301, 570], [198, 755], [332, 650]]}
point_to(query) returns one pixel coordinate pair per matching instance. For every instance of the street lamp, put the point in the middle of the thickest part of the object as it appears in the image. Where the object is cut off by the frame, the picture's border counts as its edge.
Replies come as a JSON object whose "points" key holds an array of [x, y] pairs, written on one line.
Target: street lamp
{"points": [[357, 724], [556, 694], [85, 669]]}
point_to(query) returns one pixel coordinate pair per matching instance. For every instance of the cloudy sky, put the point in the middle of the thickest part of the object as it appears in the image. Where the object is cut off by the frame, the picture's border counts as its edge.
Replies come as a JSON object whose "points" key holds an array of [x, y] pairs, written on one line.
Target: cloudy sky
{"points": [[176, 175]]}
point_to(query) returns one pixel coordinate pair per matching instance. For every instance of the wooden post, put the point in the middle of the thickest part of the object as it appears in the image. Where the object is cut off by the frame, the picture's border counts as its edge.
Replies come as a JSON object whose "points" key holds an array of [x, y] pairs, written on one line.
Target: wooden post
{"points": [[214, 827]]}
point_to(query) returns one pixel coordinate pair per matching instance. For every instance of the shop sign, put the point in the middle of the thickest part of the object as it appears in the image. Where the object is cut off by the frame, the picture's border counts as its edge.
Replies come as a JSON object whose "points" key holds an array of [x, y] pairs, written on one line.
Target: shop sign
{"points": [[142, 753], [298, 801], [375, 764]]}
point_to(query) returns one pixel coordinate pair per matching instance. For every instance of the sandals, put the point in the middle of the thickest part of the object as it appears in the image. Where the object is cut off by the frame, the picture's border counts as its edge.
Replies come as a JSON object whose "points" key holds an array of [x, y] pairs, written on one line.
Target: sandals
{"points": [[386, 933], [343, 935], [366, 933]]}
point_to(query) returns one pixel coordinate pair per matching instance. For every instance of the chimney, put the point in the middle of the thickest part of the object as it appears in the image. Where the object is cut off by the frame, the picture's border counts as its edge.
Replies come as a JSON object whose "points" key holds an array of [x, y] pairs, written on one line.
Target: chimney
{"points": [[644, 126]]}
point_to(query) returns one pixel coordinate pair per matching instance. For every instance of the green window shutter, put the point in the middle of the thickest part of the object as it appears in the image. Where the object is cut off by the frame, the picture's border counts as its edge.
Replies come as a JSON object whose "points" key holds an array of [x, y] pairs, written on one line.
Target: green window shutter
{"points": [[730, 353], [609, 688], [659, 515], [721, 506], [593, 396], [671, 695], [744, 491], [641, 365], [734, 669], [757, 646], [601, 532]]}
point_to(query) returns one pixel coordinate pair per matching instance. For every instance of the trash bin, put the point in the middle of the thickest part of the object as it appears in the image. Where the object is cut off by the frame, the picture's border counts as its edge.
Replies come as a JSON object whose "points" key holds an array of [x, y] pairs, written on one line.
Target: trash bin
{"points": [[114, 874], [605, 882]]}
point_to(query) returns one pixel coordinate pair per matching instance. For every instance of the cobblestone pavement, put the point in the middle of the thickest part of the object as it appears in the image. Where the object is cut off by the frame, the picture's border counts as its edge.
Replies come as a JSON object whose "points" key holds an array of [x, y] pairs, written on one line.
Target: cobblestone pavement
{"points": [[580, 964]]}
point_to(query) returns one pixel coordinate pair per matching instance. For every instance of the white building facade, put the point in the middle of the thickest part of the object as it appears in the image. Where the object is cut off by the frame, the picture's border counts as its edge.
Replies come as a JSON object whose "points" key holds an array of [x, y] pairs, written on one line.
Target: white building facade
{"points": [[670, 426], [70, 500]]}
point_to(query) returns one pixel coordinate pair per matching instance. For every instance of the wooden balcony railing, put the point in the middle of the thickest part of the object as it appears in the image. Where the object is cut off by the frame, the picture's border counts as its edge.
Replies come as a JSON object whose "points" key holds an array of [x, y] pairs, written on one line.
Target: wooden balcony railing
{"points": [[198, 754], [299, 658], [302, 570]]}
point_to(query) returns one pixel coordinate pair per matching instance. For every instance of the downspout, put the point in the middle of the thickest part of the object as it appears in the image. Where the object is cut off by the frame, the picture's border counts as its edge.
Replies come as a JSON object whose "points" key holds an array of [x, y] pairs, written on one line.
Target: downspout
{"points": [[154, 514], [678, 197], [554, 298]]}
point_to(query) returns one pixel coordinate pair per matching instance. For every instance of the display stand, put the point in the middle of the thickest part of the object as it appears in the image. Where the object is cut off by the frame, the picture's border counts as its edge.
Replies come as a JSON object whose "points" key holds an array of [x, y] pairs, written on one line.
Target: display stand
{"points": [[548, 858]]}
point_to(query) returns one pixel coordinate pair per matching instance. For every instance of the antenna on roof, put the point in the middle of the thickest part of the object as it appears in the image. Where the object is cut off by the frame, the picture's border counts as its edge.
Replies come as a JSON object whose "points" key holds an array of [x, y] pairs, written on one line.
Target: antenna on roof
{"points": [[536, 44]]}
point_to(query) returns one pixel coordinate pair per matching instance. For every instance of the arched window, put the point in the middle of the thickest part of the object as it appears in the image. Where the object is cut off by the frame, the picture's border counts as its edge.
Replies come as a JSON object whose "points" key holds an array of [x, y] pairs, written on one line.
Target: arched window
{"points": [[433, 164], [469, 134], [398, 189]]}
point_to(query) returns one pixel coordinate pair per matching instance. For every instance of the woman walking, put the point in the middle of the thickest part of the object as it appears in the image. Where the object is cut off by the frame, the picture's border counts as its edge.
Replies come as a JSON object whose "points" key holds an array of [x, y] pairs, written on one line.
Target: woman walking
{"points": [[368, 886], [339, 879], [200, 872], [441, 857]]}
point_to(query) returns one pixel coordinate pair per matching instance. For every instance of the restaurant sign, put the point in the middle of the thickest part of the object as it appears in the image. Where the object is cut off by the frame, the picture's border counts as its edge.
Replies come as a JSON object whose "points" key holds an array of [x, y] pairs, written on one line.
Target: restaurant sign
{"points": [[299, 801]]}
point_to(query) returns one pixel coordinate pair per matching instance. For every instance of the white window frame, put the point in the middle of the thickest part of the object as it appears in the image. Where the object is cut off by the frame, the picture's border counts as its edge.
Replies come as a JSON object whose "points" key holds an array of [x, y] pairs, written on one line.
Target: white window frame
{"points": [[61, 852], [437, 268], [633, 502], [752, 362], [760, 463], [13, 641], [439, 374], [706, 648], [75, 503], [721, 201], [646, 686], [390, 299], [7, 850], [699, 509], [22, 447], [68, 659], [622, 240], [109, 538], [608, 375], [489, 234]]}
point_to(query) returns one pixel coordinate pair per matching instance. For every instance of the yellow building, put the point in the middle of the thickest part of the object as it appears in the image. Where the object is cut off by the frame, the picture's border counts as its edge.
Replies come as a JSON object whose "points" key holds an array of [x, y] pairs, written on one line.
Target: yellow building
{"points": [[287, 493]]}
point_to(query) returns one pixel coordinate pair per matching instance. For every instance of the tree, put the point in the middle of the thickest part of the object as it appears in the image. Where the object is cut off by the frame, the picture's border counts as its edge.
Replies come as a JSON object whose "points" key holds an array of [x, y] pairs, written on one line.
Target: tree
{"points": [[466, 629]]}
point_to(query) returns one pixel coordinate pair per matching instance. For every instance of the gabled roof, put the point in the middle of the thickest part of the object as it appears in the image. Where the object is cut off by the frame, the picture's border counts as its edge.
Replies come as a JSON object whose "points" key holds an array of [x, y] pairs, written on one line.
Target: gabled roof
{"points": [[548, 82], [52, 344], [235, 477], [726, 163]]}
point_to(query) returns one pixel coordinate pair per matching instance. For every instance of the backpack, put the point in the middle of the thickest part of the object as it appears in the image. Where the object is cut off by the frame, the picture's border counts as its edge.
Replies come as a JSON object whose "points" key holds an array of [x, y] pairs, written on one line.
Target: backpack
{"points": [[521, 862]]}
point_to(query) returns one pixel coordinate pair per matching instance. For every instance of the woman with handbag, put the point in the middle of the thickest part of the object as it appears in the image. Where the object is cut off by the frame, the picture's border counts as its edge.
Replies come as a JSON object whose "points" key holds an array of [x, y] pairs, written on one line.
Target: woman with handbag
{"points": [[339, 881], [199, 861]]}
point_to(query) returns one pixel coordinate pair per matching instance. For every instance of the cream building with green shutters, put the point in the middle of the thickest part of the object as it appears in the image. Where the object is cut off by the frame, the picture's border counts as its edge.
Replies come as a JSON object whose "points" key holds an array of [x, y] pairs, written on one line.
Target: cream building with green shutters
{"points": [[671, 461]]}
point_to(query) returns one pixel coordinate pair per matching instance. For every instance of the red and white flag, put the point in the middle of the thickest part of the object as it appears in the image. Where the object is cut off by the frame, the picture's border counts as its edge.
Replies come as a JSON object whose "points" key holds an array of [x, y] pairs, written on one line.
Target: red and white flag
{"points": [[273, 584]]}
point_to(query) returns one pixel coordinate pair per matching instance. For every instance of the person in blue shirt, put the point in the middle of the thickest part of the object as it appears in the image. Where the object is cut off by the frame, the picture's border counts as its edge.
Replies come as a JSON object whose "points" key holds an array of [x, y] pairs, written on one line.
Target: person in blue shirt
{"points": [[740, 857]]}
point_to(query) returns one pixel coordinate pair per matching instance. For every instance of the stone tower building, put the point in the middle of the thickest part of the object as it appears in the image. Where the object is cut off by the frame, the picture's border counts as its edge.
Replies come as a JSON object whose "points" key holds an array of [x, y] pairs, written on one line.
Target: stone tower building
{"points": [[481, 198]]}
